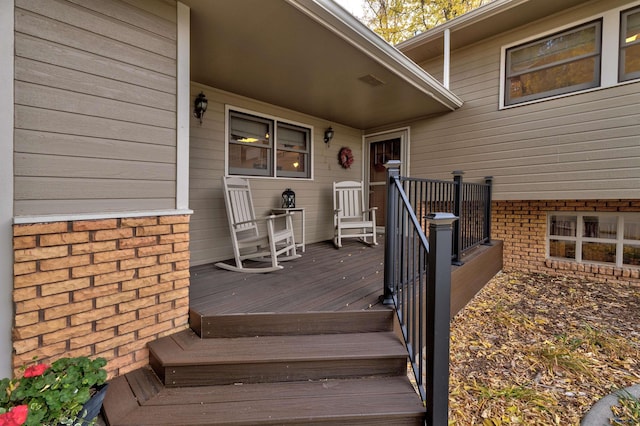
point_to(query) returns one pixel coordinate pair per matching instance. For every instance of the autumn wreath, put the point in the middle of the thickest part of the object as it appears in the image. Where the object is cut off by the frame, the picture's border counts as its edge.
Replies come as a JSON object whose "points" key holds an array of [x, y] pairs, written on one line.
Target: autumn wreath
{"points": [[345, 157]]}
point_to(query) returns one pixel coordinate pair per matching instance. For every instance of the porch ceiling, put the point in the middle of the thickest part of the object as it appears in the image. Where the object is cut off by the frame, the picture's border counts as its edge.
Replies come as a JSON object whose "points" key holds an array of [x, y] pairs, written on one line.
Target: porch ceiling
{"points": [[309, 56]]}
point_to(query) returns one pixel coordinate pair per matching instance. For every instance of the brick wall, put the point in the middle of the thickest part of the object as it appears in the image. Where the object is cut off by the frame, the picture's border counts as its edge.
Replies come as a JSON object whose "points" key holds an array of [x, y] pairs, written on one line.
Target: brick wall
{"points": [[99, 288], [522, 225]]}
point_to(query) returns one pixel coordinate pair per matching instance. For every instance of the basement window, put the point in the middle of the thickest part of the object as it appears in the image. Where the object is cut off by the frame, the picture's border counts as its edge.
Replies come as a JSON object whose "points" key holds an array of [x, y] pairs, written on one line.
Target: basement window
{"points": [[589, 237]]}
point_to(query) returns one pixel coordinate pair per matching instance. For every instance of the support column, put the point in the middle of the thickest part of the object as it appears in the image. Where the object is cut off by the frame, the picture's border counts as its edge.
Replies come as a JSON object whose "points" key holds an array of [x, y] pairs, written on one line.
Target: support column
{"points": [[438, 317], [6, 184]]}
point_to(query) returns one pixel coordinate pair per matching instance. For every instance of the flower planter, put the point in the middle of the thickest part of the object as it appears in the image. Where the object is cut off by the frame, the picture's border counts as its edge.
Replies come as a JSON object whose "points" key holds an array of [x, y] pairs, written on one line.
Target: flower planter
{"points": [[91, 408]]}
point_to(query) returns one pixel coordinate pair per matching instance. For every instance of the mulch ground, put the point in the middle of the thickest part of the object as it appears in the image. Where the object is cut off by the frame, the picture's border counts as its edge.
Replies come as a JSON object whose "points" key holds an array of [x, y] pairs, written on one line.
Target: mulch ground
{"points": [[532, 349]]}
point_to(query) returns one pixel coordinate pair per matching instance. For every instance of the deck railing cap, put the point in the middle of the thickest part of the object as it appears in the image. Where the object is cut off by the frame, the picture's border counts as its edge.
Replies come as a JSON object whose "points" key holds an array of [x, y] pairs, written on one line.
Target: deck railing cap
{"points": [[441, 218]]}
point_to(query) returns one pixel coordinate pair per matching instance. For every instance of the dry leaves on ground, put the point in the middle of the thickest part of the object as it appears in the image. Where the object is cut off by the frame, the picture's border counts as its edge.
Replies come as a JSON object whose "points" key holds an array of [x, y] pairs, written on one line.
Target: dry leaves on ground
{"points": [[533, 349]]}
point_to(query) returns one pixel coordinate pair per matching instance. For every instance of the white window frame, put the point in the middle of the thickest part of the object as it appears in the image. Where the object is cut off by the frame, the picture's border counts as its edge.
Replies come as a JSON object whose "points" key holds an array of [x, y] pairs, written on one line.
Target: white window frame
{"points": [[610, 48], [277, 121], [578, 239], [595, 82]]}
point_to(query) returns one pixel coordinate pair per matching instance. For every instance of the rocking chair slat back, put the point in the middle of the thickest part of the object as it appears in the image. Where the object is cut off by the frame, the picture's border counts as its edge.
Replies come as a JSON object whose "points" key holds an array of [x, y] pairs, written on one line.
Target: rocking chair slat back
{"points": [[274, 246], [351, 218], [242, 211]]}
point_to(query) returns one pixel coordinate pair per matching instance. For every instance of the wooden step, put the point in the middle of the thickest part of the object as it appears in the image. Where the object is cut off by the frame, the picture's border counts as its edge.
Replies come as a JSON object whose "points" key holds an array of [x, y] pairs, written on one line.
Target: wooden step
{"points": [[139, 398], [272, 324], [184, 359]]}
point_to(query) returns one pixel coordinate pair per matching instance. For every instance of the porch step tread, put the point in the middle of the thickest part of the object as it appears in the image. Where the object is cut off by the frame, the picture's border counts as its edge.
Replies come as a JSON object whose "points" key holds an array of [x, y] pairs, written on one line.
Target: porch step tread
{"points": [[371, 401], [278, 324], [184, 359], [187, 348]]}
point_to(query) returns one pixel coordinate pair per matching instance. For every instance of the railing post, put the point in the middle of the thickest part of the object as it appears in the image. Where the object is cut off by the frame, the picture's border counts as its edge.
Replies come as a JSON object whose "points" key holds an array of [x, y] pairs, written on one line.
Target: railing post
{"points": [[438, 316], [487, 214], [457, 211], [390, 228]]}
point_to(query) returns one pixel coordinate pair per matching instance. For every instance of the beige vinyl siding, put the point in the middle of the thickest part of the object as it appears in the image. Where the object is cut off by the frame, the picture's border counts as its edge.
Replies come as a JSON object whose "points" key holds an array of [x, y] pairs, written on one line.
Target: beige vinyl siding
{"points": [[95, 106], [581, 146], [210, 240]]}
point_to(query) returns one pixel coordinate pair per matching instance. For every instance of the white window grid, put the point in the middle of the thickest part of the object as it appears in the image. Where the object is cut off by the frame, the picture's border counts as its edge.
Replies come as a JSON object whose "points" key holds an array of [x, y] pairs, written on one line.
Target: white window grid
{"points": [[578, 239]]}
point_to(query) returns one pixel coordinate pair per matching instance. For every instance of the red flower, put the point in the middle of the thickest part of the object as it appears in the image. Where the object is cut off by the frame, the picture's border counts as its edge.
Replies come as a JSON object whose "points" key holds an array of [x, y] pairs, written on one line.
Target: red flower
{"points": [[36, 370], [14, 417]]}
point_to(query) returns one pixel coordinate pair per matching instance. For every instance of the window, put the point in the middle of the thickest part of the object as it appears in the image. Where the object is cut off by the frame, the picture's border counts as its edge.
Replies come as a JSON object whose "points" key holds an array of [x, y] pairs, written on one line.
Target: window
{"points": [[293, 151], [595, 237], [562, 63], [255, 149], [629, 67]]}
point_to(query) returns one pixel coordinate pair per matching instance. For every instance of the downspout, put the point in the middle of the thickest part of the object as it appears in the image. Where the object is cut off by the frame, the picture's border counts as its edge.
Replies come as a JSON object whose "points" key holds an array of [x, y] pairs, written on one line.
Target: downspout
{"points": [[447, 58]]}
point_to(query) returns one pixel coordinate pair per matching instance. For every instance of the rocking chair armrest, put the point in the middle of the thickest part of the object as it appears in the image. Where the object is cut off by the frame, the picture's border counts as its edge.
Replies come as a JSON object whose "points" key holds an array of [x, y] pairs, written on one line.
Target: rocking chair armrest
{"points": [[244, 222], [371, 209], [278, 216]]}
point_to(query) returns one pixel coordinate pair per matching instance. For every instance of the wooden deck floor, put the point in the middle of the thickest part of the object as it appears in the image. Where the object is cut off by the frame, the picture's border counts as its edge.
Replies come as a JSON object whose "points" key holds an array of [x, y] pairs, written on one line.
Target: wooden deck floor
{"points": [[324, 279]]}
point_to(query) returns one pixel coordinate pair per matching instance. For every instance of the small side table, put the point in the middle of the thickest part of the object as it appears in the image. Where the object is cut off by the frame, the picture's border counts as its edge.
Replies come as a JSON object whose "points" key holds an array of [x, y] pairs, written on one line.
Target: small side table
{"points": [[294, 210]]}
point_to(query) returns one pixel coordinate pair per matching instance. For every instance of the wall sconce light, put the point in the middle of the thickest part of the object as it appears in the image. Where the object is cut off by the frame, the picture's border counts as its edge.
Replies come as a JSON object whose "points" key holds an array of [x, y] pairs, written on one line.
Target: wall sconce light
{"points": [[328, 135], [200, 106]]}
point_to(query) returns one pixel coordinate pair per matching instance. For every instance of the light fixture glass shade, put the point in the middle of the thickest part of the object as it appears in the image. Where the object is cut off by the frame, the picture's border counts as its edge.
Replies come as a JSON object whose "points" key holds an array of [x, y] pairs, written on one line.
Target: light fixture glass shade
{"points": [[328, 135], [200, 106]]}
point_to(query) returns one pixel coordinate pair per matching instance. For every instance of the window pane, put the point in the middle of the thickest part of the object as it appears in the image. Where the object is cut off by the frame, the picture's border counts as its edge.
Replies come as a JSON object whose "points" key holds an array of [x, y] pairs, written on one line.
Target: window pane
{"points": [[600, 227], [631, 255], [631, 229], [599, 252], [554, 65], [631, 61], [564, 226], [553, 50], [292, 164], [632, 32], [556, 80], [251, 160], [293, 151], [630, 46], [291, 138], [250, 130], [566, 249]]}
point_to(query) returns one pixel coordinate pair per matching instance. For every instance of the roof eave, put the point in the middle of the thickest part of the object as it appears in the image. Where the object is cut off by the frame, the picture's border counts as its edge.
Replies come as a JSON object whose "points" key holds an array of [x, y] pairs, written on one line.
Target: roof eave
{"points": [[473, 17]]}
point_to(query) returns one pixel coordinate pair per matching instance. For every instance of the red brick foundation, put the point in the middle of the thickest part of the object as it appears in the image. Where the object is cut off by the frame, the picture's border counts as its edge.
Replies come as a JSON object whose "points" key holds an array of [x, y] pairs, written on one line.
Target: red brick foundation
{"points": [[99, 288], [522, 225]]}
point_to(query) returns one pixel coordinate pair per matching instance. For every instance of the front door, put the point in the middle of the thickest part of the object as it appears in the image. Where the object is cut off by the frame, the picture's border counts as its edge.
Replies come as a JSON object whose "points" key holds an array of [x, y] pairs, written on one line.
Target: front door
{"points": [[382, 148]]}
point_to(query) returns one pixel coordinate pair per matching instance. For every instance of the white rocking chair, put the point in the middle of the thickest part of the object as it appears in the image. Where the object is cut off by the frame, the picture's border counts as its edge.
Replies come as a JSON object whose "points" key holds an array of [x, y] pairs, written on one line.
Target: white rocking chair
{"points": [[351, 219], [247, 242]]}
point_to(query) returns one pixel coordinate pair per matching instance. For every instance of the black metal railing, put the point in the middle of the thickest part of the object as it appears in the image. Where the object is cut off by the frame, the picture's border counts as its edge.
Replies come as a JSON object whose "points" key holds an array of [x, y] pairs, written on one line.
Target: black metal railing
{"points": [[470, 202], [423, 236]]}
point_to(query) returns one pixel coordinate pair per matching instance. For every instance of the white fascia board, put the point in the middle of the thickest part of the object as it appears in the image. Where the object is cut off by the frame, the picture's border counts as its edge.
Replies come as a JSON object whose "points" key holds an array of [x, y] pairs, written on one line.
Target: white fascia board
{"points": [[483, 12], [350, 29]]}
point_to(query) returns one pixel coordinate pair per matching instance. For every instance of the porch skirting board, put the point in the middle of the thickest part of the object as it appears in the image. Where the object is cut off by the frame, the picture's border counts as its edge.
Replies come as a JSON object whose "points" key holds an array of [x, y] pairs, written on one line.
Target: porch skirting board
{"points": [[99, 288]]}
